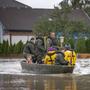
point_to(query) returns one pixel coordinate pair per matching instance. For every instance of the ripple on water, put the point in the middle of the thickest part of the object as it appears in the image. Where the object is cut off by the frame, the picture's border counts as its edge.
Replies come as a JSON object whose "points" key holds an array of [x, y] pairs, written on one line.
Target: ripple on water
{"points": [[82, 67]]}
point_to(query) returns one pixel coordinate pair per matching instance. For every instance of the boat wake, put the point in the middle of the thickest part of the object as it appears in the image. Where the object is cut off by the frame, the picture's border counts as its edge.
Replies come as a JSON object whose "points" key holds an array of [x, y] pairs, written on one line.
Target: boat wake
{"points": [[82, 67]]}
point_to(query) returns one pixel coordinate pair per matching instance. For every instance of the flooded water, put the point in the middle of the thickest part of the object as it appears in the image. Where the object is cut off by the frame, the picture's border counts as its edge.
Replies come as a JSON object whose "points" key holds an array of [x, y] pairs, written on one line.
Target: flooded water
{"points": [[12, 78], [82, 67]]}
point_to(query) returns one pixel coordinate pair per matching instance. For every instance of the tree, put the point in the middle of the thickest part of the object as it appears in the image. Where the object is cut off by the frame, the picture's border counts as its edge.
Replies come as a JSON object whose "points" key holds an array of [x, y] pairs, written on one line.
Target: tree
{"points": [[59, 22], [78, 3], [87, 10]]}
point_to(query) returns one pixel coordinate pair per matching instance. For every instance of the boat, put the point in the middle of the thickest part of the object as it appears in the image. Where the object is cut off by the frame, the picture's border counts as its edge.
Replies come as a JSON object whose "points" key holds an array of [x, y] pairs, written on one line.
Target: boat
{"points": [[46, 69]]}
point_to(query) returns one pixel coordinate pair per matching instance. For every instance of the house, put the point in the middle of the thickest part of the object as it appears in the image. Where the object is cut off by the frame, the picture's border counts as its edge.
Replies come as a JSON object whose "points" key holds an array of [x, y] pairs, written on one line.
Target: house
{"points": [[87, 2], [79, 15], [18, 20]]}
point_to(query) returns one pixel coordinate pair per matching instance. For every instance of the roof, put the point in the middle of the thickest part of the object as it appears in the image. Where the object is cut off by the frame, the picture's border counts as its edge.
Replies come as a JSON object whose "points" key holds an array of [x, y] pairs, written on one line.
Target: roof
{"points": [[21, 19], [79, 15], [11, 3]]}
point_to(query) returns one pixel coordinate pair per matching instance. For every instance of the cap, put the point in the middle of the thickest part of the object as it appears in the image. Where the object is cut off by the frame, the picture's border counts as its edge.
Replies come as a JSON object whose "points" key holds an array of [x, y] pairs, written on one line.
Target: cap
{"points": [[51, 49]]}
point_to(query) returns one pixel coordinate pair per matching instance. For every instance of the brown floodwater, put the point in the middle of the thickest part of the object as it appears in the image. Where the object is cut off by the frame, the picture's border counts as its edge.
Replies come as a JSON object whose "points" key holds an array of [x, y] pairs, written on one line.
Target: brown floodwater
{"points": [[12, 78], [44, 82]]}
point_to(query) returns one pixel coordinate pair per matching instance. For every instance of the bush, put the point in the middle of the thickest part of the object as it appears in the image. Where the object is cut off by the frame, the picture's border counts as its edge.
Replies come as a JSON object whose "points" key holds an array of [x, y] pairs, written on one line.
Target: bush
{"points": [[18, 48], [88, 45], [71, 42], [5, 47], [81, 46], [12, 49], [0, 48]]}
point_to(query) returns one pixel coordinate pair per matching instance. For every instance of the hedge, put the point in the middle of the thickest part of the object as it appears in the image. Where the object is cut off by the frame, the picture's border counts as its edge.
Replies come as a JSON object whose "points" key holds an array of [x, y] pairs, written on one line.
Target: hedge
{"points": [[88, 45], [5, 48], [83, 46]]}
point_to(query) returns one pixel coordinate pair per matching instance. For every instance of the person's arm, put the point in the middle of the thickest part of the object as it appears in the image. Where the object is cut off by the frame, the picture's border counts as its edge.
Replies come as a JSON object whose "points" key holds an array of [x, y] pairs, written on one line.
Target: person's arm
{"points": [[32, 50], [26, 50], [40, 46], [49, 42]]}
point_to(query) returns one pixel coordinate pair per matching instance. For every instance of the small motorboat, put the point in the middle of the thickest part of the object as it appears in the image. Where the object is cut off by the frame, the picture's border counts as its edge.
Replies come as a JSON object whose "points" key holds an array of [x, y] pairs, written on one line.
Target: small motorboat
{"points": [[46, 69]]}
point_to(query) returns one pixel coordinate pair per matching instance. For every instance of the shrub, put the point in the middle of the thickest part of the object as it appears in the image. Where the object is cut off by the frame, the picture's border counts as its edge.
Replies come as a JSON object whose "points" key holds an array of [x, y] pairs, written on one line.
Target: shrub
{"points": [[71, 42], [11, 49], [81, 46], [5, 47], [18, 47], [0, 48], [88, 45]]}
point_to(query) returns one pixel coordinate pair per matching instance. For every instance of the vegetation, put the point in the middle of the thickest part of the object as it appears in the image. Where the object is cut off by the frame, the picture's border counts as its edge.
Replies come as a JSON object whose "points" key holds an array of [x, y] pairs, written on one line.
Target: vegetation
{"points": [[87, 10], [78, 3], [83, 46], [6, 49], [88, 45], [59, 21]]}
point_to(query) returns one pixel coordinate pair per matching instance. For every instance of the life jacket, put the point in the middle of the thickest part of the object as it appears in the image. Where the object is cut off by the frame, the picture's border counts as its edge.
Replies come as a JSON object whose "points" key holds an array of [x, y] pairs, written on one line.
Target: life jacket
{"points": [[50, 58], [70, 56]]}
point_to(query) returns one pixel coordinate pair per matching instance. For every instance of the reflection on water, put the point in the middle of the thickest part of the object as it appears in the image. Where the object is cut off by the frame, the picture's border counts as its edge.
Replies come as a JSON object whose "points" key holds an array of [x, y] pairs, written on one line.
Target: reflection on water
{"points": [[38, 82], [41, 82], [12, 78]]}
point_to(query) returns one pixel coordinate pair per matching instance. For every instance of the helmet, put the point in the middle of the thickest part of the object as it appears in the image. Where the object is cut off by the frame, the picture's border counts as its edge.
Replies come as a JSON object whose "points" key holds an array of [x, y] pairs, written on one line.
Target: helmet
{"points": [[67, 47], [51, 49]]}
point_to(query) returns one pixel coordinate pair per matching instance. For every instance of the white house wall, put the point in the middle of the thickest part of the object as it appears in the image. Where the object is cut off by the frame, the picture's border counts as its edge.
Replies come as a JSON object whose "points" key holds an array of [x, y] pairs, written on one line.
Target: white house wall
{"points": [[1, 32], [6, 37], [16, 39]]}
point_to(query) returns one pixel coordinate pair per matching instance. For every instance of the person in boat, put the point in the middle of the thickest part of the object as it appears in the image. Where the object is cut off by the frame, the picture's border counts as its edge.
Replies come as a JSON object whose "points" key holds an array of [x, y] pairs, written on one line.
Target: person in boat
{"points": [[29, 51], [40, 50], [52, 41], [70, 55], [52, 57]]}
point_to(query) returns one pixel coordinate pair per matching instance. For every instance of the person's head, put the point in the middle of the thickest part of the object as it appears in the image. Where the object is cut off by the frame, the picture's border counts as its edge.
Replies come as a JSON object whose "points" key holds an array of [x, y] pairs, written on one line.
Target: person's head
{"points": [[39, 35], [51, 49], [67, 47], [52, 35], [32, 40]]}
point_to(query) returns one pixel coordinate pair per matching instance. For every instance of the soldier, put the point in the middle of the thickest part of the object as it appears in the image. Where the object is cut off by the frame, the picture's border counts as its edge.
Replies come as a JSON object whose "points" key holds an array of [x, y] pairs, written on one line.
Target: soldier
{"points": [[29, 51]]}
